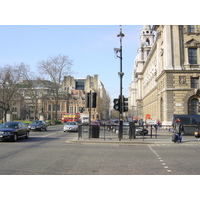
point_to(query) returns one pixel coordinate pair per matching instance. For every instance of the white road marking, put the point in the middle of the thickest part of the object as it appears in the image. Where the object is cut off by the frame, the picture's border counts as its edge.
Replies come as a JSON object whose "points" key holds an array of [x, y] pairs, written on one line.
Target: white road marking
{"points": [[160, 159], [48, 135]]}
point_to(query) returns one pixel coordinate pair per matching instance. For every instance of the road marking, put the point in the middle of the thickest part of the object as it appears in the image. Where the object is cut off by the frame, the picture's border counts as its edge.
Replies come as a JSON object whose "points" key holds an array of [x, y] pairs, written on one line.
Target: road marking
{"points": [[48, 135], [160, 159]]}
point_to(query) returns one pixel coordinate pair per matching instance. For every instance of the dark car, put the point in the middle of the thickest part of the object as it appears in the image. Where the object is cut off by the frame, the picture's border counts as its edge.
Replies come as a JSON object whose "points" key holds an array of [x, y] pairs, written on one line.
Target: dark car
{"points": [[38, 125], [13, 131], [141, 131]]}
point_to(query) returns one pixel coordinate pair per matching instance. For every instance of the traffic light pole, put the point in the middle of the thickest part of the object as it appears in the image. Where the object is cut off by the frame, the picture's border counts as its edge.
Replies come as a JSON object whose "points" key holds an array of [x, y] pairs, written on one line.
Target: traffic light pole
{"points": [[90, 112], [121, 74]]}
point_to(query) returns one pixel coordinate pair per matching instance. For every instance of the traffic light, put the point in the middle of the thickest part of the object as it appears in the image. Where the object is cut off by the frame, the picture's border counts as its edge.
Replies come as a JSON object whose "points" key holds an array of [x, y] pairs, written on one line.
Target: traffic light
{"points": [[125, 104], [116, 104], [92, 99]]}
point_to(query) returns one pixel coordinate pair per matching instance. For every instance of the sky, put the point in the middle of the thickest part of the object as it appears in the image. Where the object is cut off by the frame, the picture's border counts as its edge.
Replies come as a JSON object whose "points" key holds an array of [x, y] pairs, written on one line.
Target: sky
{"points": [[91, 47]]}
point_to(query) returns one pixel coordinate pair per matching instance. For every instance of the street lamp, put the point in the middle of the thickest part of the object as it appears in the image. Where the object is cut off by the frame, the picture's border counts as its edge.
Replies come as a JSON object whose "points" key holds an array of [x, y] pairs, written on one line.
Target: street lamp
{"points": [[118, 52]]}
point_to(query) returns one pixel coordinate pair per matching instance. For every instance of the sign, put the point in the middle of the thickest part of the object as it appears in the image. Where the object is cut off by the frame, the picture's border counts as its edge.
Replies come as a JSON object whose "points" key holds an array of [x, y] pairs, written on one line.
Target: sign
{"points": [[151, 121], [178, 104]]}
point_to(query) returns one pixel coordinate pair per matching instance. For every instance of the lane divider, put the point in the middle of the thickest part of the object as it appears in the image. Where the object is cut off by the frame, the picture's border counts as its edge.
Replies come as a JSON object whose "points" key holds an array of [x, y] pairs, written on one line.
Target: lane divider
{"points": [[160, 159]]}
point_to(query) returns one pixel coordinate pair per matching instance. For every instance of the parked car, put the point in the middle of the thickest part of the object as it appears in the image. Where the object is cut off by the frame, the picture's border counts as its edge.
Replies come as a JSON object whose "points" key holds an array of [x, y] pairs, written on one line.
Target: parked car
{"points": [[13, 131], [38, 125], [71, 126]]}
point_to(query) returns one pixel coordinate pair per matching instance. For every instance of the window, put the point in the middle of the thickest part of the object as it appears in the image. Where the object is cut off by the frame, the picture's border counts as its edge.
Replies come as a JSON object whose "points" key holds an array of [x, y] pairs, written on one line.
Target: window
{"points": [[49, 107], [192, 54], [147, 42], [80, 85], [194, 106], [194, 82], [54, 107], [190, 28]]}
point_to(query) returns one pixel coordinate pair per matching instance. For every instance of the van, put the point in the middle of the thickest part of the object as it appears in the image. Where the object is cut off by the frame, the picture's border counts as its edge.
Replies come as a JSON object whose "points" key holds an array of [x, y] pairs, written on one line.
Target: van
{"points": [[189, 122]]}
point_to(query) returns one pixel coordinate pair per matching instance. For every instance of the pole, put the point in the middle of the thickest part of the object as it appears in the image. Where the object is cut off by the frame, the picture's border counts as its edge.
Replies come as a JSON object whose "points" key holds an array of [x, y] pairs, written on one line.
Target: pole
{"points": [[121, 35], [90, 113]]}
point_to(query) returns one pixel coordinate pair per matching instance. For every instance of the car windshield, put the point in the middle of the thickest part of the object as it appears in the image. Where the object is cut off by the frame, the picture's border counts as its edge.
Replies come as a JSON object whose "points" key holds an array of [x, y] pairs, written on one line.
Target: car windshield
{"points": [[36, 122], [71, 123], [9, 125]]}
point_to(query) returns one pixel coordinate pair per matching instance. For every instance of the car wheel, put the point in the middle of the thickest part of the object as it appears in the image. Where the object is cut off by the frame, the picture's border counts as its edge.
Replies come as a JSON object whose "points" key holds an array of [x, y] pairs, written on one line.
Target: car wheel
{"points": [[15, 137], [27, 135]]}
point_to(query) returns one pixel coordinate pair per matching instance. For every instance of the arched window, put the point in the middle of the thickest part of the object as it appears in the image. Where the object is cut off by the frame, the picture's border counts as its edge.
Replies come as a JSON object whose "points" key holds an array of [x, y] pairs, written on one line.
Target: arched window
{"points": [[147, 42], [193, 106]]}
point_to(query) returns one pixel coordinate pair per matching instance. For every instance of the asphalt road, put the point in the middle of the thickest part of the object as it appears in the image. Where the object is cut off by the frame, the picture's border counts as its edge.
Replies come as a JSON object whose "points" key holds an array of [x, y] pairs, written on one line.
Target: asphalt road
{"points": [[50, 153]]}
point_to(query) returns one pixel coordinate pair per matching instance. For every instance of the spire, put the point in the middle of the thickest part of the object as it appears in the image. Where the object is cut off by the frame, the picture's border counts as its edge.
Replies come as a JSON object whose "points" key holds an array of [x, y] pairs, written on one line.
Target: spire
{"points": [[146, 42]]}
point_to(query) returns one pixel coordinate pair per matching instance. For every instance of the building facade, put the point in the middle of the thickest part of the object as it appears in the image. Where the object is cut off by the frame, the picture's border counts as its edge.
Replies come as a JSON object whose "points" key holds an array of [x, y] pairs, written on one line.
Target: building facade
{"points": [[165, 77], [38, 98], [86, 85]]}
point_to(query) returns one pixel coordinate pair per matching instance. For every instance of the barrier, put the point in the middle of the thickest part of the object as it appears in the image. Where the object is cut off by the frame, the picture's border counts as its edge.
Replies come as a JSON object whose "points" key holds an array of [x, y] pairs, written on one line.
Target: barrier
{"points": [[109, 132]]}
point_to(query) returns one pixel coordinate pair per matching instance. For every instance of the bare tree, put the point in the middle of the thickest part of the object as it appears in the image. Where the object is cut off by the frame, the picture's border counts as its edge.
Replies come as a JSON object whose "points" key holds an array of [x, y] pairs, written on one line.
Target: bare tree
{"points": [[9, 78], [27, 87], [54, 69]]}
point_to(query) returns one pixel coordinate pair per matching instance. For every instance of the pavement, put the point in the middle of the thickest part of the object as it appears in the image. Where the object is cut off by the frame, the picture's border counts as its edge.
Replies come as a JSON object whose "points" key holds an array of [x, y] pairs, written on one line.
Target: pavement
{"points": [[162, 137]]}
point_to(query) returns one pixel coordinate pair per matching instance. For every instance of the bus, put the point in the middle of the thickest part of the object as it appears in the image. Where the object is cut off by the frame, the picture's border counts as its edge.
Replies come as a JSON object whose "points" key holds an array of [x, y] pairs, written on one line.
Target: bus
{"points": [[70, 117]]}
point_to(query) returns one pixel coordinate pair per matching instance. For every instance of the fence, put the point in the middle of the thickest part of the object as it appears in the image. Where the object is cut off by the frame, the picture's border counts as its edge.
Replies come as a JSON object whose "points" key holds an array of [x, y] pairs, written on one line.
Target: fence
{"points": [[109, 132]]}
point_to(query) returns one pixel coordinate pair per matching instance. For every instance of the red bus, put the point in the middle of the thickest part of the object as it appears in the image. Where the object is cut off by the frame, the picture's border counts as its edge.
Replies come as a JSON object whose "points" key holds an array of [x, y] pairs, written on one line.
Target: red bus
{"points": [[70, 117]]}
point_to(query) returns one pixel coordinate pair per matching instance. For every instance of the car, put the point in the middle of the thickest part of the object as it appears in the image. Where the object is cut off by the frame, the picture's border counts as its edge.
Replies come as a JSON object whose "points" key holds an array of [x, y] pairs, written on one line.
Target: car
{"points": [[13, 131], [140, 131], [71, 126], [38, 125]]}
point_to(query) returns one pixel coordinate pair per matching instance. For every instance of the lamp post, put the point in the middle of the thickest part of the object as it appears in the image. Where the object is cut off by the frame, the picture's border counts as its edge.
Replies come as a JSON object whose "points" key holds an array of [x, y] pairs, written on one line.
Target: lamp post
{"points": [[121, 74]]}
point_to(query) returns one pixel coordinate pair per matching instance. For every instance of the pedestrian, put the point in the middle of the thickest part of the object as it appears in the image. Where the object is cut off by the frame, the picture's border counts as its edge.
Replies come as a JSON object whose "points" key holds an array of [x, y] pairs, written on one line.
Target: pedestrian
{"points": [[159, 124], [178, 128], [141, 122]]}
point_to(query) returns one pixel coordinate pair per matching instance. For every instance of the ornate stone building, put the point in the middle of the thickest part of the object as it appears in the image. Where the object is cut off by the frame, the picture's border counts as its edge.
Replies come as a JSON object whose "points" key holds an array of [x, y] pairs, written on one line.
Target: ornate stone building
{"points": [[165, 77], [93, 84]]}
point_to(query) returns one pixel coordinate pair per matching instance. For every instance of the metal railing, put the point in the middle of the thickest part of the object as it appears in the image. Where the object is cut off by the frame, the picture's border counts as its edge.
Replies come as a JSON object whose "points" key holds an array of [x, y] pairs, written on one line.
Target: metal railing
{"points": [[130, 132]]}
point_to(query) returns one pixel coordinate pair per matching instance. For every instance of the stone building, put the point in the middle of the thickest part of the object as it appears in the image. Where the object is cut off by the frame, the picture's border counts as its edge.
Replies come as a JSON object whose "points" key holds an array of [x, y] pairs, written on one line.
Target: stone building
{"points": [[93, 84], [165, 77], [39, 99]]}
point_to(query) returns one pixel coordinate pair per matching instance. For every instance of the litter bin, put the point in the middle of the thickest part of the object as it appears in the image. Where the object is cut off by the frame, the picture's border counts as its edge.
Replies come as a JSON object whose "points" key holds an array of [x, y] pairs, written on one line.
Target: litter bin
{"points": [[94, 131]]}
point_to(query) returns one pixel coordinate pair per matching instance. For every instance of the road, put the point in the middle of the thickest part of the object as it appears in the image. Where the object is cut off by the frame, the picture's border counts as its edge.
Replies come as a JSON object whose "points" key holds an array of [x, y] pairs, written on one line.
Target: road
{"points": [[50, 153]]}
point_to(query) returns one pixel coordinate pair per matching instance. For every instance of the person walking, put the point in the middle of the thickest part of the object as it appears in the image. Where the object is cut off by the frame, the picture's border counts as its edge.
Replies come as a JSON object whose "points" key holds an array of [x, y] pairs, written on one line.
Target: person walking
{"points": [[178, 128]]}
